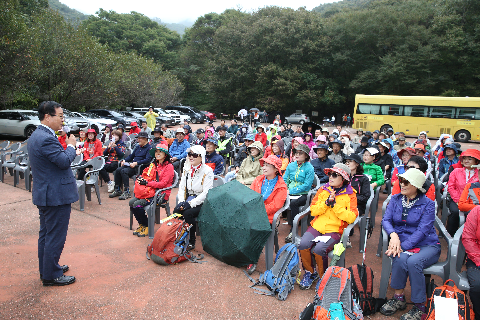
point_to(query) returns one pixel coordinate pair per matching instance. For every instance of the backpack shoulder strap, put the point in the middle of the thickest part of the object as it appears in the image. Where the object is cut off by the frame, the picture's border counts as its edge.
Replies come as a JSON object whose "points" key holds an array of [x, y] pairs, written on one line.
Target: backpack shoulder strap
{"points": [[323, 282], [369, 273], [357, 280]]}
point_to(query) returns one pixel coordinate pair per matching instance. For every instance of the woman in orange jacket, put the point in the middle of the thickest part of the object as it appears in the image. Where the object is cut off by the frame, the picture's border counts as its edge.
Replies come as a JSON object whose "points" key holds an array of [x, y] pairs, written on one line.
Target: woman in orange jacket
{"points": [[272, 188]]}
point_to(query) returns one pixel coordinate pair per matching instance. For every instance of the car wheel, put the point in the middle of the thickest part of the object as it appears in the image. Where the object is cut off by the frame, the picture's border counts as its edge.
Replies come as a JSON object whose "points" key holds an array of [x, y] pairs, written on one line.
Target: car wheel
{"points": [[462, 136], [29, 131], [385, 127], [194, 120]]}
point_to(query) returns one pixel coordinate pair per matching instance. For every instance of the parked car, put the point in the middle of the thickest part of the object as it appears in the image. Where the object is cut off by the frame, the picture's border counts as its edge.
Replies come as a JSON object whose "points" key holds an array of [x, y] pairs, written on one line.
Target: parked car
{"points": [[194, 113], [71, 118], [297, 118], [163, 116], [133, 114], [114, 115], [18, 122], [95, 122], [211, 116], [180, 117]]}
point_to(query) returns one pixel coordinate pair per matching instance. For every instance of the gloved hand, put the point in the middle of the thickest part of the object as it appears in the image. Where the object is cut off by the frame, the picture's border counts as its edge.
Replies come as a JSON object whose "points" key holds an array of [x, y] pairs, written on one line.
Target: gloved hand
{"points": [[329, 202], [143, 182], [182, 206]]}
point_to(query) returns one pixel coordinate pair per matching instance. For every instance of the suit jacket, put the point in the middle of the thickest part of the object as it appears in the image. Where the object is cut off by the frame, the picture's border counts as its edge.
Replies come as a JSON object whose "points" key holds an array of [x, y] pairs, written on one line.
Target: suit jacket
{"points": [[53, 180]]}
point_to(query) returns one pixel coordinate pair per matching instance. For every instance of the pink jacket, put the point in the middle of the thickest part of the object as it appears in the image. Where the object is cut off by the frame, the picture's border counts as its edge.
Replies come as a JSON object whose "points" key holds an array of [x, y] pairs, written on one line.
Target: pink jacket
{"points": [[456, 182], [471, 235]]}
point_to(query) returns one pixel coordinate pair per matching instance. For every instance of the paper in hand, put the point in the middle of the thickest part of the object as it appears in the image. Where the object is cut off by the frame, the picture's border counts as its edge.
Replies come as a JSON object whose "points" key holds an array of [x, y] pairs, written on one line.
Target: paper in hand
{"points": [[323, 239]]}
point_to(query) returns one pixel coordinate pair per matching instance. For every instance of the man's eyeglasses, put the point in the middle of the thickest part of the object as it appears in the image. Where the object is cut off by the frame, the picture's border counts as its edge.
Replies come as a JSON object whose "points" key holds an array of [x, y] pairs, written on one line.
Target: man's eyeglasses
{"points": [[193, 155], [61, 116], [403, 181]]}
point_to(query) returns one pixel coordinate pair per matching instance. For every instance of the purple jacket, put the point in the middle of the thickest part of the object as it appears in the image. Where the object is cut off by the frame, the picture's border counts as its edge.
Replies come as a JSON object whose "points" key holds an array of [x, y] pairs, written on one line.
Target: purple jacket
{"points": [[418, 230]]}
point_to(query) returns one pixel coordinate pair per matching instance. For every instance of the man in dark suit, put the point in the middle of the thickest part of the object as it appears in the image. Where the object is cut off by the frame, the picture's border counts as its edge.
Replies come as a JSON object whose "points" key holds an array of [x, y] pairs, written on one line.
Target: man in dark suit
{"points": [[54, 190]]}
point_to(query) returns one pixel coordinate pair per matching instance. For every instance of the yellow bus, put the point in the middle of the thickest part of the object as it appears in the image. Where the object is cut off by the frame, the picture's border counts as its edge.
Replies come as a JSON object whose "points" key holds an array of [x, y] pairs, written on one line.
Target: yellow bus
{"points": [[457, 116]]}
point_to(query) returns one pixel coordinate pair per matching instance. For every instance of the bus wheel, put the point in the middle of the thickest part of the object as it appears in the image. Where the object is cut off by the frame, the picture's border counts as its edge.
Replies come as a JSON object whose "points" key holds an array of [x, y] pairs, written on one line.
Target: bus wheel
{"points": [[462, 136], [384, 128]]}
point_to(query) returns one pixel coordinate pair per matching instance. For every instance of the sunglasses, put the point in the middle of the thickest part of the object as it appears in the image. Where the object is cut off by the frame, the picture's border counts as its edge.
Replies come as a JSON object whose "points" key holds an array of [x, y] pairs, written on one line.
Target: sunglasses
{"points": [[403, 181], [333, 174], [193, 155], [410, 167]]}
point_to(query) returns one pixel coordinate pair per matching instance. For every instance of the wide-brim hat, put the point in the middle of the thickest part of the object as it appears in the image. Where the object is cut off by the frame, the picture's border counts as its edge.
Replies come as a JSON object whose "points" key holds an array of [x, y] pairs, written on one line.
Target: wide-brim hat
{"points": [[373, 151], [341, 169], [142, 134], [336, 141], [354, 157], [409, 150], [322, 146], [474, 153], [250, 137], [162, 147], [303, 148], [180, 130], [415, 177], [213, 140], [157, 129], [420, 147], [274, 161]]}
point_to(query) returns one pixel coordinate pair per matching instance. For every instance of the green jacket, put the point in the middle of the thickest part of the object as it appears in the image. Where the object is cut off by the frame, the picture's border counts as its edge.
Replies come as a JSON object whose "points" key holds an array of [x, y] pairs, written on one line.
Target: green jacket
{"points": [[374, 173]]}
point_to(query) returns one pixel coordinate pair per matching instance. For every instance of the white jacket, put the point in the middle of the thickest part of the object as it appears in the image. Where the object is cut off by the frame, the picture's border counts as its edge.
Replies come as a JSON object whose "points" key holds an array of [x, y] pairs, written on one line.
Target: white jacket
{"points": [[198, 186]]}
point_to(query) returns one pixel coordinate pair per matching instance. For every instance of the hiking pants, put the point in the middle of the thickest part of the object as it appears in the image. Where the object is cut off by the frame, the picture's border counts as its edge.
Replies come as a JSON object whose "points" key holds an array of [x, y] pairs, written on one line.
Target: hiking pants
{"points": [[453, 221], [122, 175], [190, 215], [319, 248], [108, 167], [473, 275], [295, 205], [412, 266], [137, 208]]}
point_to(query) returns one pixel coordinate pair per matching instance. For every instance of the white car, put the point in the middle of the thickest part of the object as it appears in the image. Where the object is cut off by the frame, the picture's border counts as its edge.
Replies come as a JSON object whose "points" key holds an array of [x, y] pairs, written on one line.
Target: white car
{"points": [[18, 122], [181, 117], [94, 121]]}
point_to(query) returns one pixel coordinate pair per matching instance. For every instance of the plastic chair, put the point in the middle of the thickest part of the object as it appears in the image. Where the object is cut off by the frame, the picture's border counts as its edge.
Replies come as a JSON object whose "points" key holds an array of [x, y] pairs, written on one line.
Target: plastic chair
{"points": [[311, 194], [380, 239], [296, 237], [441, 269], [90, 179], [22, 170], [374, 206], [445, 210], [271, 243], [10, 163], [4, 145], [363, 221], [457, 256], [153, 209], [218, 181]]}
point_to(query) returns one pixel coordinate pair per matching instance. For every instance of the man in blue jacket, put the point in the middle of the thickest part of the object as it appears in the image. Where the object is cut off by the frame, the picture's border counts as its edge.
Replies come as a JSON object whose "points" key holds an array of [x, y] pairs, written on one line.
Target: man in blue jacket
{"points": [[54, 190], [129, 166], [322, 162], [212, 158], [178, 149]]}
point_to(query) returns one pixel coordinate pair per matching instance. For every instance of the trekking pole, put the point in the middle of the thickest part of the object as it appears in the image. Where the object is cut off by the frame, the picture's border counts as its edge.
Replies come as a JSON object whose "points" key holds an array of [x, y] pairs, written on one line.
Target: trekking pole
{"points": [[367, 226]]}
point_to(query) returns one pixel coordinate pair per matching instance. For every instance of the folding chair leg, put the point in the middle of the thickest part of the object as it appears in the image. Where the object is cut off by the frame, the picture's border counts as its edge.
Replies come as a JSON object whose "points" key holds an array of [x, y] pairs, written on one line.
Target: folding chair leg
{"points": [[385, 276], [268, 251], [88, 191], [380, 244], [16, 178], [81, 194], [363, 222], [97, 191], [167, 209], [131, 219], [151, 222]]}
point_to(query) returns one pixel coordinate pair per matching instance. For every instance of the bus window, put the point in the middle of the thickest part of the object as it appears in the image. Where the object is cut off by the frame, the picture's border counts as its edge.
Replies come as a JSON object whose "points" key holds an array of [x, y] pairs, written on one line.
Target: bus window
{"points": [[466, 113], [392, 110], [415, 111], [441, 112], [368, 109]]}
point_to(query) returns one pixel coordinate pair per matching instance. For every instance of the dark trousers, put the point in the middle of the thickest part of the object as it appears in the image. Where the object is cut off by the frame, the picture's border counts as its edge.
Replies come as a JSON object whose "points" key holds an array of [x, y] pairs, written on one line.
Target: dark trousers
{"points": [[176, 164], [453, 222], [190, 215], [473, 275], [295, 208], [108, 167], [123, 175], [82, 171], [51, 239], [137, 208]]}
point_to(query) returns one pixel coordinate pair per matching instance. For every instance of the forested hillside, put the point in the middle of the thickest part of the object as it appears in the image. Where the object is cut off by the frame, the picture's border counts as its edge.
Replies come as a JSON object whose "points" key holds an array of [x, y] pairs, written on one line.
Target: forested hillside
{"points": [[69, 14]]}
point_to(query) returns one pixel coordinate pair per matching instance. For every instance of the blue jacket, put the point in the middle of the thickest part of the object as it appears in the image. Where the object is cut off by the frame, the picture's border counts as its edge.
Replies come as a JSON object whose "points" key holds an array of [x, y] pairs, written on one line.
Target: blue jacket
{"points": [[299, 180], [179, 150], [445, 164], [53, 180], [319, 166], [418, 230], [215, 161], [140, 155]]}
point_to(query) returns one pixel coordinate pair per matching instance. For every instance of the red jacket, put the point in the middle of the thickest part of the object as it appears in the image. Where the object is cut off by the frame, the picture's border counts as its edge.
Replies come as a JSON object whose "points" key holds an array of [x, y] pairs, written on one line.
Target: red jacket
{"points": [[134, 130], [97, 149], [457, 182], [163, 172], [471, 236], [276, 199], [262, 137], [62, 139]]}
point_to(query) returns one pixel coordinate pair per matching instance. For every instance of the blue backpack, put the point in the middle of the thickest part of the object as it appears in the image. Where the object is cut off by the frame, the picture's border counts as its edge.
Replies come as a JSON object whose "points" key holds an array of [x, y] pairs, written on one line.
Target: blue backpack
{"points": [[281, 278]]}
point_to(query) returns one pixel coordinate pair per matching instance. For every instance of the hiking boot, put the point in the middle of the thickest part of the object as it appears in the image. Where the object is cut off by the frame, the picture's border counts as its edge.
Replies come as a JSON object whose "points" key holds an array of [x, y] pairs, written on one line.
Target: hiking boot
{"points": [[139, 229], [413, 314], [288, 239], [142, 233], [110, 186], [251, 268], [391, 306], [125, 195], [307, 280], [115, 193]]}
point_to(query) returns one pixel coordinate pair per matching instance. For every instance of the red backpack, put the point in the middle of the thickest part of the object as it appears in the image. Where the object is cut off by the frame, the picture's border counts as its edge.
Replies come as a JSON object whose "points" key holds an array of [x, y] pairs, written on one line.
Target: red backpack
{"points": [[465, 311], [169, 245]]}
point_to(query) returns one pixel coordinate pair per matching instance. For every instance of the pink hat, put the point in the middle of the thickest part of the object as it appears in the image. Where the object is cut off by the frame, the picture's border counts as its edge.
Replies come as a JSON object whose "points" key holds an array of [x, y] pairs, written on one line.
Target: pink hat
{"points": [[274, 161], [322, 138], [341, 169]]}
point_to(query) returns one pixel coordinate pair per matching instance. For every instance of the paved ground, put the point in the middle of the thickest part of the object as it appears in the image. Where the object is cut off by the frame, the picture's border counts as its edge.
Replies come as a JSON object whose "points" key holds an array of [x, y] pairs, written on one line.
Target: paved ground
{"points": [[115, 280]]}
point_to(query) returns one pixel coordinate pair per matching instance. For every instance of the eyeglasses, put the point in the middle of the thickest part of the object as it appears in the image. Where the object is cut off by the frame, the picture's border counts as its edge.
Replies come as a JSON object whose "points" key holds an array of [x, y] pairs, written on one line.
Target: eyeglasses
{"points": [[403, 181], [61, 116], [333, 174], [193, 155], [410, 167]]}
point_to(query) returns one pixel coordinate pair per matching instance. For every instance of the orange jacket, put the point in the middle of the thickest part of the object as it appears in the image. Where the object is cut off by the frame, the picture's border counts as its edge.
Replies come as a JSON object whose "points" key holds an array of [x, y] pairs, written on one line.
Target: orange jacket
{"points": [[470, 197], [430, 192], [276, 199]]}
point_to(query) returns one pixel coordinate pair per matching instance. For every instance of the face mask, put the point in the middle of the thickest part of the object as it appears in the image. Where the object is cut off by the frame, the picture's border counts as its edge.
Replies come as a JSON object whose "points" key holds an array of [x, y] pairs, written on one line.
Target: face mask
{"points": [[115, 138]]}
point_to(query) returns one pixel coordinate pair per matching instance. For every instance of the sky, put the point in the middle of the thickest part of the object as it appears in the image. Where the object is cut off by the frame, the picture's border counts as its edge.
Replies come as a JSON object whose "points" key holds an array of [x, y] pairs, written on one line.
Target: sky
{"points": [[176, 12]]}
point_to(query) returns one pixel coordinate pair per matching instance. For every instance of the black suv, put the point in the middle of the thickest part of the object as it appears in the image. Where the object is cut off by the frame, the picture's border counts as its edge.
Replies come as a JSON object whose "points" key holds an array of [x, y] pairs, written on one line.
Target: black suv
{"points": [[194, 113]]}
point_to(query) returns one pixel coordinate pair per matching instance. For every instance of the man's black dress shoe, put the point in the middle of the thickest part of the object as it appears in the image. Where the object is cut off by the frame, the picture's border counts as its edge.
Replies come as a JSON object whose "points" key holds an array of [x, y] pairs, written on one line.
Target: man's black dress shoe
{"points": [[61, 281], [64, 268]]}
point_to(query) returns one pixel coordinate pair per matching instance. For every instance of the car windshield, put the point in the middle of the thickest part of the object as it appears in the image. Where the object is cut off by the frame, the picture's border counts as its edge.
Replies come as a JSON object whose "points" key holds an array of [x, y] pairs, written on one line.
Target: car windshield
{"points": [[115, 113], [69, 113], [135, 114], [160, 110], [91, 116], [30, 115]]}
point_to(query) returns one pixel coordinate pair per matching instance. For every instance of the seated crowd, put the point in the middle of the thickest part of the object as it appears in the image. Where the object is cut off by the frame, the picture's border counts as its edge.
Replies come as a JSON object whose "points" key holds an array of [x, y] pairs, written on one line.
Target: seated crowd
{"points": [[279, 161]]}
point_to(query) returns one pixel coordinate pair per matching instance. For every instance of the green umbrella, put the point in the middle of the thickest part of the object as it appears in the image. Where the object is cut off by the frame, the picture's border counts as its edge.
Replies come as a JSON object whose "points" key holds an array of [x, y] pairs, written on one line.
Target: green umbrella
{"points": [[233, 224]]}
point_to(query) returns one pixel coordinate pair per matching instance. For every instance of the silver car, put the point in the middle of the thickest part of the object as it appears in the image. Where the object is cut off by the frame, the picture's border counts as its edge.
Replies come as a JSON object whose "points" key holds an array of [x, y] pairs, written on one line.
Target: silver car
{"points": [[95, 122], [75, 122], [18, 122], [297, 118]]}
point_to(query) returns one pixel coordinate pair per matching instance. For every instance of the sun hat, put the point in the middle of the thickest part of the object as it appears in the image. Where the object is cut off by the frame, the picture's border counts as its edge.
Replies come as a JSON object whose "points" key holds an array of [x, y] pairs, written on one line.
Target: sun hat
{"points": [[401, 138], [274, 161], [162, 147], [134, 124], [359, 130], [376, 131], [415, 177], [420, 146], [322, 146], [368, 133], [321, 138], [325, 130], [373, 151], [336, 141], [344, 133], [142, 134], [354, 157], [91, 131], [383, 144], [410, 151], [213, 140], [303, 148], [390, 129], [157, 129], [198, 149], [341, 169], [364, 139], [250, 137], [180, 130], [256, 144], [470, 153]]}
